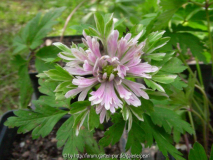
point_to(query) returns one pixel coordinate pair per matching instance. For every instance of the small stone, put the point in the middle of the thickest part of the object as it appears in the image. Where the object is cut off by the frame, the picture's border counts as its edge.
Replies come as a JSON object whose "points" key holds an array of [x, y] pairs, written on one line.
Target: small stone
{"points": [[22, 144], [54, 140], [26, 154]]}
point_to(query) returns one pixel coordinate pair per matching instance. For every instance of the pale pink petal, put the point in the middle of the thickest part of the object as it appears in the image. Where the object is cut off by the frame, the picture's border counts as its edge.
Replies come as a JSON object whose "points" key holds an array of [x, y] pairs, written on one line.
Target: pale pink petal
{"points": [[133, 100], [112, 43], [61, 55], [122, 71], [128, 36], [87, 66], [77, 71], [73, 92], [82, 82], [102, 115], [79, 54], [141, 69], [123, 93], [83, 94], [136, 88]]}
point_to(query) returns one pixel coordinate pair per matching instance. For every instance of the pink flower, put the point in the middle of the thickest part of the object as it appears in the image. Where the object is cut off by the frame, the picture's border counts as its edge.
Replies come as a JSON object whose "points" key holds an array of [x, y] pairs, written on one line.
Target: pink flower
{"points": [[109, 70]]}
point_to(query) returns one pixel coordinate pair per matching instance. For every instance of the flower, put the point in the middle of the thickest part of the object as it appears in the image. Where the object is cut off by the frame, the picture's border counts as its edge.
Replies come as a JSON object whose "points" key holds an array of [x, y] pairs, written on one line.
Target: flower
{"points": [[109, 69]]}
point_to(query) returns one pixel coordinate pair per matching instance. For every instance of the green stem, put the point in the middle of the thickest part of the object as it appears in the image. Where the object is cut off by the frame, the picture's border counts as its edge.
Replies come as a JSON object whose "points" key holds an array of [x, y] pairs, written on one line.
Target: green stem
{"points": [[198, 107], [198, 115], [188, 68], [196, 3], [209, 29], [199, 73], [192, 123]]}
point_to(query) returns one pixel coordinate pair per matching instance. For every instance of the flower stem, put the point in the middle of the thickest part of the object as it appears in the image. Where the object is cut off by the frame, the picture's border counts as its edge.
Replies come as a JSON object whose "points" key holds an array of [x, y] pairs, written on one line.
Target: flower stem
{"points": [[192, 122], [209, 29], [199, 73]]}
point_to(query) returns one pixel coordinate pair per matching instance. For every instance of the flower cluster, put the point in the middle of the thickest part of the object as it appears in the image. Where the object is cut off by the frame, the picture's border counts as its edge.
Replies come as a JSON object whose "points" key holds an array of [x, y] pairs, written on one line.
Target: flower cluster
{"points": [[108, 70]]}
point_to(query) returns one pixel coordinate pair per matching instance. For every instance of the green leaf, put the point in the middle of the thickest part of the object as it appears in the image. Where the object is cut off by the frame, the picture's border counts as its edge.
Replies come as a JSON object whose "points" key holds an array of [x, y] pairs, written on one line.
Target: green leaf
{"points": [[156, 56], [125, 112], [135, 138], [157, 95], [35, 30], [63, 47], [79, 107], [81, 27], [197, 152], [178, 83], [79, 120], [25, 86], [163, 139], [195, 44], [48, 88], [100, 25], [169, 7], [147, 106], [117, 127], [137, 111], [18, 61], [164, 78], [154, 85], [93, 119], [168, 119], [66, 136], [211, 154], [41, 120], [174, 65], [93, 32], [48, 54], [59, 74], [109, 27], [42, 65]]}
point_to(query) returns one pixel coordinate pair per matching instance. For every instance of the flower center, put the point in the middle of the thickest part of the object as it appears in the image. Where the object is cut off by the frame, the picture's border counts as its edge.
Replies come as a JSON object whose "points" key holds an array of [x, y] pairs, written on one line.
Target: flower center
{"points": [[109, 69]]}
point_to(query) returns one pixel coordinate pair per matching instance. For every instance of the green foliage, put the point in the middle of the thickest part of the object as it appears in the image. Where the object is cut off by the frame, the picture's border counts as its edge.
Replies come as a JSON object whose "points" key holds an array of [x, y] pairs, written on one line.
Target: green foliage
{"points": [[93, 119], [154, 85], [59, 74], [195, 45], [41, 120], [48, 54], [174, 65], [197, 152], [163, 140], [168, 119], [25, 86], [109, 136], [32, 34], [99, 20], [49, 98], [136, 136], [74, 144]]}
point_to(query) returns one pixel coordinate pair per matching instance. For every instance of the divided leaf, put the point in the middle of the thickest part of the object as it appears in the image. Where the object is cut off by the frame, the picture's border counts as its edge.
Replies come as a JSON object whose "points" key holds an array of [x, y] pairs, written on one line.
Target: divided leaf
{"points": [[162, 138], [59, 74], [168, 119], [35, 30], [41, 120], [136, 137], [113, 134]]}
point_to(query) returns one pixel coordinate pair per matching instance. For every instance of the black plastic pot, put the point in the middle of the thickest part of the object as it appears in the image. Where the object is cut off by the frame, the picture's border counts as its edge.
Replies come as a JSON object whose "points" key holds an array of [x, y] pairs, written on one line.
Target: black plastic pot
{"points": [[68, 40], [206, 71]]}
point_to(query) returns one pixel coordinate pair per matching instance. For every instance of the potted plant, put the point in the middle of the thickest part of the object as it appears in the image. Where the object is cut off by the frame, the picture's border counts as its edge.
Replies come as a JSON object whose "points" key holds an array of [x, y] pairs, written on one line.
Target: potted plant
{"points": [[129, 104]]}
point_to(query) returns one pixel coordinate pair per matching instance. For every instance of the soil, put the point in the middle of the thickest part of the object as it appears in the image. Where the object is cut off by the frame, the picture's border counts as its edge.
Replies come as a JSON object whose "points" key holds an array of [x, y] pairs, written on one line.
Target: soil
{"points": [[25, 148]]}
